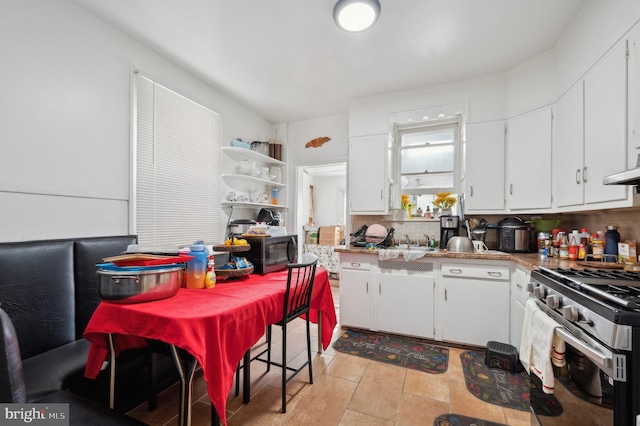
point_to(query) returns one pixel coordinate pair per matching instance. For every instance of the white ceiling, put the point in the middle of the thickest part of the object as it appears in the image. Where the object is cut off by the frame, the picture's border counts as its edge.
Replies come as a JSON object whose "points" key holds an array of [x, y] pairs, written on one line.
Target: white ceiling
{"points": [[287, 60]]}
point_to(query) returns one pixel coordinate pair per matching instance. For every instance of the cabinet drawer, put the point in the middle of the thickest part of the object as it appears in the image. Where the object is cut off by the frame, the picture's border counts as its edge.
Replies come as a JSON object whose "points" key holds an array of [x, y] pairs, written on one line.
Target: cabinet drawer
{"points": [[361, 263], [494, 273]]}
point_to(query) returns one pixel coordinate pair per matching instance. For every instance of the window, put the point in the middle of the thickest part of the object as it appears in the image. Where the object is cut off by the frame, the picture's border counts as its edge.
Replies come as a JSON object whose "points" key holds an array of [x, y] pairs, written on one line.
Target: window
{"points": [[427, 155], [175, 163]]}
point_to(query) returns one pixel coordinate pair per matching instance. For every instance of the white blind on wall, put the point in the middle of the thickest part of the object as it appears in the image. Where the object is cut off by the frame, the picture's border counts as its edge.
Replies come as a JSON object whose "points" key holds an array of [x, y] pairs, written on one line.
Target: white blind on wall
{"points": [[177, 167]]}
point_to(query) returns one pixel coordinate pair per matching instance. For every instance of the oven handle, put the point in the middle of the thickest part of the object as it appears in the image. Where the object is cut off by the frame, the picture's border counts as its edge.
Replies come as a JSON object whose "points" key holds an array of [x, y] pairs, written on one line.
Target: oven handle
{"points": [[594, 355], [603, 360]]}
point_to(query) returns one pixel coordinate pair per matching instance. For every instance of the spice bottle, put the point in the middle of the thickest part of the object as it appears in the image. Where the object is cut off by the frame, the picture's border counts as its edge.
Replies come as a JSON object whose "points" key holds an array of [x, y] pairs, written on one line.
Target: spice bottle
{"points": [[564, 246], [597, 246]]}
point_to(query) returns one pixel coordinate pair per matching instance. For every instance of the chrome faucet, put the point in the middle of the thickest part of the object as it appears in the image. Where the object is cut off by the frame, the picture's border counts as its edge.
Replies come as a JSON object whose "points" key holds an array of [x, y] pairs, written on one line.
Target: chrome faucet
{"points": [[427, 241], [407, 240]]}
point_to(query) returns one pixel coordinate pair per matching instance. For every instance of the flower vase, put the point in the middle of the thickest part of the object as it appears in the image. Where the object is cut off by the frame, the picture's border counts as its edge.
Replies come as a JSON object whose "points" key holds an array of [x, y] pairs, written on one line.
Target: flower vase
{"points": [[445, 212], [408, 210]]}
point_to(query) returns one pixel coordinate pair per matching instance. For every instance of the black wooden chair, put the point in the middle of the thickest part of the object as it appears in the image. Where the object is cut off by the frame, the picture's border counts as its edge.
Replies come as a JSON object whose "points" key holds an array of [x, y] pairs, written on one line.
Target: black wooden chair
{"points": [[300, 280]]}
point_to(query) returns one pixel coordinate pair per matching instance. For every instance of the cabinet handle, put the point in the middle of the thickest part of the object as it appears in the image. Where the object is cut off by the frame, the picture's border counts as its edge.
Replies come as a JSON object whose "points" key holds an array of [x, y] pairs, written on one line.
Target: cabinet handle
{"points": [[355, 264], [380, 289], [367, 287], [519, 286], [511, 189], [455, 271], [471, 190], [382, 194], [445, 294], [578, 176], [494, 274], [584, 174]]}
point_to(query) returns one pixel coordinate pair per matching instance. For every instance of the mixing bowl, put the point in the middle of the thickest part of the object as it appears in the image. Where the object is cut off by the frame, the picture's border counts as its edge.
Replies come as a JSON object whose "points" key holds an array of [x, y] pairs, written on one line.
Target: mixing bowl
{"points": [[460, 245]]}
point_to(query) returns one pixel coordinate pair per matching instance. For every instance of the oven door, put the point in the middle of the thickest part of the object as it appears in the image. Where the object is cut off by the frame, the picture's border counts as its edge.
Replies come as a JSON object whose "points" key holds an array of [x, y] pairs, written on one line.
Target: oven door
{"points": [[585, 386]]}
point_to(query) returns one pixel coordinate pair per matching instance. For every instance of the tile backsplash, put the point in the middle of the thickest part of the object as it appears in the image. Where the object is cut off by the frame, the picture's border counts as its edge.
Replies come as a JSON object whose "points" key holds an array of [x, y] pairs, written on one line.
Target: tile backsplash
{"points": [[627, 219]]}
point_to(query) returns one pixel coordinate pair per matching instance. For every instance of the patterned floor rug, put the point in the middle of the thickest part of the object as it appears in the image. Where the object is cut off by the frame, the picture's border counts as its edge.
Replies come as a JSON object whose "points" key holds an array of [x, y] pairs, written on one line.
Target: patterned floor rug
{"points": [[396, 350], [500, 387], [458, 420]]}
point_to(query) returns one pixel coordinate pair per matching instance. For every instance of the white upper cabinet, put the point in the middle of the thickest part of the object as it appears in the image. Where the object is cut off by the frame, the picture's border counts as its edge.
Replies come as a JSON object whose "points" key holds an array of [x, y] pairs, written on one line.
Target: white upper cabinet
{"points": [[528, 161], [368, 175], [568, 148], [484, 164], [591, 137], [605, 112]]}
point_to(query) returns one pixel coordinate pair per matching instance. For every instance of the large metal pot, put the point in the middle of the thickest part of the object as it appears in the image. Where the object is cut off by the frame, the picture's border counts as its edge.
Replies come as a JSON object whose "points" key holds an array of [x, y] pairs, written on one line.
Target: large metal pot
{"points": [[134, 286]]}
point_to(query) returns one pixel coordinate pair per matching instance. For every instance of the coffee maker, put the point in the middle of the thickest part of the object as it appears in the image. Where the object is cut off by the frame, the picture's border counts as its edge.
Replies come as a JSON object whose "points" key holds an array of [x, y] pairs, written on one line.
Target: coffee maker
{"points": [[449, 227]]}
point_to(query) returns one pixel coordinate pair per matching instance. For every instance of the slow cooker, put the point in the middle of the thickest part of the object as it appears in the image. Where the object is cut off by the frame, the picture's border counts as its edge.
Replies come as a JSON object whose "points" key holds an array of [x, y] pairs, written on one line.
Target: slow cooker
{"points": [[514, 235]]}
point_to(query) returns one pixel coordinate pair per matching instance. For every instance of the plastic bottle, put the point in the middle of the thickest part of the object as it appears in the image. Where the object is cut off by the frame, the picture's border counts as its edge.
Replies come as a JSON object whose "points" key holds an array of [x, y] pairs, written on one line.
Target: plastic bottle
{"points": [[611, 240], [197, 267], [210, 279], [582, 252], [585, 237], [573, 246]]}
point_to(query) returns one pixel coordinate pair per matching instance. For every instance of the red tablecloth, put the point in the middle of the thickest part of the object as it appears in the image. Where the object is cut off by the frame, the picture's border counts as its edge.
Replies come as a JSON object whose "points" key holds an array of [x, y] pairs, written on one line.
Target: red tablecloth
{"points": [[217, 326]]}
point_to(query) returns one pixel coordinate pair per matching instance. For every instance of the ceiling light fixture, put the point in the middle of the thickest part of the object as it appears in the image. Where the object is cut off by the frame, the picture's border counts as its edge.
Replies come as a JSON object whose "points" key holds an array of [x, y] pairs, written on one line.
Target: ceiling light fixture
{"points": [[356, 15]]}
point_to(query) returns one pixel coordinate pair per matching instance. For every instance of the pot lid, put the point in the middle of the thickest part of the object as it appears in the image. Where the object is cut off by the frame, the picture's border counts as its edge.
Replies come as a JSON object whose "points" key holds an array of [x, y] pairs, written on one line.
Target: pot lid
{"points": [[512, 222]]}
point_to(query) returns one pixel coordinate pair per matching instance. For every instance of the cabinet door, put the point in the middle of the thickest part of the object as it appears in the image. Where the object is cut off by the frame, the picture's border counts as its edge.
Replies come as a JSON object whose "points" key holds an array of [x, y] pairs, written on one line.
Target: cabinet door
{"points": [[519, 283], [528, 156], [605, 111], [368, 181], [405, 302], [355, 291], [484, 164], [568, 154], [476, 310]]}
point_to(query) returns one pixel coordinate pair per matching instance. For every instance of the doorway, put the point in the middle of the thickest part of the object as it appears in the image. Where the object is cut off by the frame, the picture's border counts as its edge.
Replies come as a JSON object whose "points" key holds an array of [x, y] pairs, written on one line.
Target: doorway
{"points": [[321, 197]]}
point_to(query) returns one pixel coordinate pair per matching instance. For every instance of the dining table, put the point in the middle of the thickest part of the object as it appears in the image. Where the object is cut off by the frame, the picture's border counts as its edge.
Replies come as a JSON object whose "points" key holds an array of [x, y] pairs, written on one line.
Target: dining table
{"points": [[214, 327]]}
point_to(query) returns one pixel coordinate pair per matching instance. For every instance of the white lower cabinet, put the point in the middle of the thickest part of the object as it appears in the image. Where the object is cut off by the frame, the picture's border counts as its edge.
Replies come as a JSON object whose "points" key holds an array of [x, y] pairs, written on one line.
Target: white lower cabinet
{"points": [[519, 281], [475, 309], [404, 299], [356, 282]]}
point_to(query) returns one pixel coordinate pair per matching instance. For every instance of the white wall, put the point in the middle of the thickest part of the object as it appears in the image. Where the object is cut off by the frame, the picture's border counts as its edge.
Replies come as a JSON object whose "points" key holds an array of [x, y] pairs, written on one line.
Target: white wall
{"points": [[65, 119], [327, 201]]}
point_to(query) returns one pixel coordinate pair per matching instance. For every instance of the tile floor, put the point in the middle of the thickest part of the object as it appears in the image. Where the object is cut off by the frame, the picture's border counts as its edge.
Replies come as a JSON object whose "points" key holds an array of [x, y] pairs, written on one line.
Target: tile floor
{"points": [[347, 390]]}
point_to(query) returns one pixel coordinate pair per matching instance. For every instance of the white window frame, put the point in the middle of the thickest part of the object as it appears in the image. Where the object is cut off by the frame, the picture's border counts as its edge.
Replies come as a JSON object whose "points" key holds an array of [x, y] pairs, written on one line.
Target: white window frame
{"points": [[419, 126]]}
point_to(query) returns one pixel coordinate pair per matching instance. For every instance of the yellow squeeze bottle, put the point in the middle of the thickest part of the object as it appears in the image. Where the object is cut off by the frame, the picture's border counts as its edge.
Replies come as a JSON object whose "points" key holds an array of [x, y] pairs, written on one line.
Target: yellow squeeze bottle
{"points": [[210, 279]]}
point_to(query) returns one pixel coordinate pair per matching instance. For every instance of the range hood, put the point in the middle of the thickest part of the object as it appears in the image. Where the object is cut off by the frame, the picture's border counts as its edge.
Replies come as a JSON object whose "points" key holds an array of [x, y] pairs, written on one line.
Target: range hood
{"points": [[628, 177]]}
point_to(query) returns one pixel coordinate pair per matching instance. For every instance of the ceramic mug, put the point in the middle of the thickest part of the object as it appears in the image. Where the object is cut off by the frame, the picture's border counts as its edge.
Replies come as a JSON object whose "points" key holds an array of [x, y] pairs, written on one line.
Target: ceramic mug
{"points": [[479, 246]]}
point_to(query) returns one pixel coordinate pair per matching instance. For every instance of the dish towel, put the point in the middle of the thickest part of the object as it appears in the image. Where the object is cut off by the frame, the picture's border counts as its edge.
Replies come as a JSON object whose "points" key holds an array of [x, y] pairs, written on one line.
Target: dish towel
{"points": [[541, 348], [526, 339]]}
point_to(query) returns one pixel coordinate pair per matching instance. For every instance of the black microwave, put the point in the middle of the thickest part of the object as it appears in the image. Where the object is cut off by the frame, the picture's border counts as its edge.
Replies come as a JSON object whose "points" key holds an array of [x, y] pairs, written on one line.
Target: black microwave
{"points": [[269, 254]]}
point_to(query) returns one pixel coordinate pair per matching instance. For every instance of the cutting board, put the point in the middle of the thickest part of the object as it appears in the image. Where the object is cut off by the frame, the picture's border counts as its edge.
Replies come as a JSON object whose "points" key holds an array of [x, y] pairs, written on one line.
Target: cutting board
{"points": [[601, 265], [255, 235]]}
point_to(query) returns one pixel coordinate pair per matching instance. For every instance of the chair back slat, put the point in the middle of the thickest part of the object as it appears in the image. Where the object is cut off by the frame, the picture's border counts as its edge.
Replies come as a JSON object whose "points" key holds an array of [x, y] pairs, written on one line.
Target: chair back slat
{"points": [[299, 287]]}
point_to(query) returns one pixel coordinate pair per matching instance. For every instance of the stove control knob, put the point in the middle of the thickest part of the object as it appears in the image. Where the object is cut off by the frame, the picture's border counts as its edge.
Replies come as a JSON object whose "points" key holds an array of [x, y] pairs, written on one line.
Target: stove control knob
{"points": [[553, 301], [530, 288], [570, 313], [539, 292]]}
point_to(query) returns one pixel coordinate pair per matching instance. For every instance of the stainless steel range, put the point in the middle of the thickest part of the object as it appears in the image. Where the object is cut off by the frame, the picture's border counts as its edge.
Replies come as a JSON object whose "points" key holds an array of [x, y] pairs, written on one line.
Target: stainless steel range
{"points": [[599, 311]]}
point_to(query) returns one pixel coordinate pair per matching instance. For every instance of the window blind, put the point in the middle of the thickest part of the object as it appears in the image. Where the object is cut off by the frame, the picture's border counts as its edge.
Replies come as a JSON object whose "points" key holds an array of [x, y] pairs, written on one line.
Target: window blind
{"points": [[176, 167]]}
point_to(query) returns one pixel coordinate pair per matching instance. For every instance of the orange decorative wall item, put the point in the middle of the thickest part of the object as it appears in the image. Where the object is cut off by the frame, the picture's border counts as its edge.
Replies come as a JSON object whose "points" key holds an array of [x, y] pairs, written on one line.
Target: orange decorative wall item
{"points": [[317, 142]]}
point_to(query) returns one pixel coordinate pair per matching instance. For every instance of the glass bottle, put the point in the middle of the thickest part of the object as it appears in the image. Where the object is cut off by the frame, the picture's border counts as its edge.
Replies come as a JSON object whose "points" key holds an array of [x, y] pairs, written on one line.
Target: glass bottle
{"points": [[564, 246], [573, 246]]}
